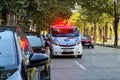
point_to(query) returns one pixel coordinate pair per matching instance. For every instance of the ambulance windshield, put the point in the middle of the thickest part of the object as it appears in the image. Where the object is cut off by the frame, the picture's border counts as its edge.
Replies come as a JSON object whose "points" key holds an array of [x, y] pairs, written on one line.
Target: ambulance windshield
{"points": [[65, 32]]}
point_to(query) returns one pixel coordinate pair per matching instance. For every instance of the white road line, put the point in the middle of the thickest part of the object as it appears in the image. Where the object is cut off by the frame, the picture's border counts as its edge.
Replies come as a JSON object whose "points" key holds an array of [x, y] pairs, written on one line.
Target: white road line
{"points": [[80, 65]]}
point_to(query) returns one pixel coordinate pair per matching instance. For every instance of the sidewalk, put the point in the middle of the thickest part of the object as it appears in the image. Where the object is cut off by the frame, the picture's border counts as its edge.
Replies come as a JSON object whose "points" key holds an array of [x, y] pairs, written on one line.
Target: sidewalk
{"points": [[107, 44]]}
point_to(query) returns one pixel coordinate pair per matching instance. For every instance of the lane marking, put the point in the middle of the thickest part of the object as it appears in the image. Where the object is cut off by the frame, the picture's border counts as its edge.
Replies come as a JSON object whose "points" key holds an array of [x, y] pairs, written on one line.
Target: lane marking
{"points": [[80, 65]]}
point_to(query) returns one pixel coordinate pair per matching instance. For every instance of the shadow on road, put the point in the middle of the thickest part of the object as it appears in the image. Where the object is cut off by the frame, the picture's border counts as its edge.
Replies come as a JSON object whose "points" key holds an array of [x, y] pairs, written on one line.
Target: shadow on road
{"points": [[64, 57]]}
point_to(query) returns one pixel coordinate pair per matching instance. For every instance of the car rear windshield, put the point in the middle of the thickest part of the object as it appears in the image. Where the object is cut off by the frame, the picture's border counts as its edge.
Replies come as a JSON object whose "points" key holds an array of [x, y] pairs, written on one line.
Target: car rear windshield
{"points": [[7, 49], [34, 41], [85, 37], [65, 32]]}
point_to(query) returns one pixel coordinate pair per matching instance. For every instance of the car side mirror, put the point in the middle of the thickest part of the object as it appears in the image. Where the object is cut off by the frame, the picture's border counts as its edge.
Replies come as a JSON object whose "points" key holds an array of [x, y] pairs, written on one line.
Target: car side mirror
{"points": [[37, 59]]}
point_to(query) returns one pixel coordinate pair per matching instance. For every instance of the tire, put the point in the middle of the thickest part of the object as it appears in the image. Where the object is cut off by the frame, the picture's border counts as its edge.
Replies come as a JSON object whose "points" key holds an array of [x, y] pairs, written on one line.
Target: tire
{"points": [[92, 47], [88, 46], [79, 56], [45, 74], [23, 73]]}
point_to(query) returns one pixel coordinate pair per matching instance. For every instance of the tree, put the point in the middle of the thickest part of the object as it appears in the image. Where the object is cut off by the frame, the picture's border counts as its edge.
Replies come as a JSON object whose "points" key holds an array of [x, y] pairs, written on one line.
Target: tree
{"points": [[42, 12], [45, 12], [14, 8], [100, 7]]}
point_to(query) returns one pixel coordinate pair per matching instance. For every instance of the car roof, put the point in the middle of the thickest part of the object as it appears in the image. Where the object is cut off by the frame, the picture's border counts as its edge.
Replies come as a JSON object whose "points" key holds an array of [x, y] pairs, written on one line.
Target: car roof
{"points": [[7, 28], [10, 28]]}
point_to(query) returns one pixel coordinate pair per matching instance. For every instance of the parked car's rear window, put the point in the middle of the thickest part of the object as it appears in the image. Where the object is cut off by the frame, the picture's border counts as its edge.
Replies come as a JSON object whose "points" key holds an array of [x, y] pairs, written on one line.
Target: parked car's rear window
{"points": [[7, 49], [85, 36], [35, 41]]}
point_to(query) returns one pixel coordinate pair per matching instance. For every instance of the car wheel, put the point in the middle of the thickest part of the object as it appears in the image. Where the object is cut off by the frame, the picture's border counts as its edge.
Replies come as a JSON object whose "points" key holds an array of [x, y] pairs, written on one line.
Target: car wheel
{"points": [[23, 73], [88, 46], [93, 47], [45, 74], [79, 56]]}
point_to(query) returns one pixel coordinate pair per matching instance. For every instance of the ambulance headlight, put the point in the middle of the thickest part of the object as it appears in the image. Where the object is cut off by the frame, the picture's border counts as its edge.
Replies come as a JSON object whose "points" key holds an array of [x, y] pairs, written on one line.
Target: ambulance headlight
{"points": [[55, 42], [78, 42]]}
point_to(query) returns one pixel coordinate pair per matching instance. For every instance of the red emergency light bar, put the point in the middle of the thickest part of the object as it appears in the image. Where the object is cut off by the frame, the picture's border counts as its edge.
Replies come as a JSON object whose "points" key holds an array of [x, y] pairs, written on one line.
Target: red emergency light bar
{"points": [[62, 23]]}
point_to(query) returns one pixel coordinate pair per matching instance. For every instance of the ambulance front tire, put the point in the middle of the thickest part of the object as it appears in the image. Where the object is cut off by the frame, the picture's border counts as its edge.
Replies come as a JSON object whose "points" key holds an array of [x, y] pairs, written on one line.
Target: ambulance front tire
{"points": [[79, 56]]}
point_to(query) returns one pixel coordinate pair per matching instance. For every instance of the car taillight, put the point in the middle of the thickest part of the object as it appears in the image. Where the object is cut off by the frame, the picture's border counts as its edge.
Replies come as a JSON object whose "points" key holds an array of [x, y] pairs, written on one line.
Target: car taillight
{"points": [[92, 41], [23, 44]]}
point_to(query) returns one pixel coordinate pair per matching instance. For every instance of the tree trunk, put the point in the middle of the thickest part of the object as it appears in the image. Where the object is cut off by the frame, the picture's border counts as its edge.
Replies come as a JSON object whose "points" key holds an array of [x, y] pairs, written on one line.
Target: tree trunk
{"points": [[84, 30], [110, 33], [94, 31], [103, 35], [106, 32], [100, 33], [116, 21], [116, 32]]}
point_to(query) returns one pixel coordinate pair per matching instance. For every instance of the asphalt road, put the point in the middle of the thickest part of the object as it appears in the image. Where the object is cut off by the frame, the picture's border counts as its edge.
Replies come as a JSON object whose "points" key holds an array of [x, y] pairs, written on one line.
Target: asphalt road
{"points": [[100, 63]]}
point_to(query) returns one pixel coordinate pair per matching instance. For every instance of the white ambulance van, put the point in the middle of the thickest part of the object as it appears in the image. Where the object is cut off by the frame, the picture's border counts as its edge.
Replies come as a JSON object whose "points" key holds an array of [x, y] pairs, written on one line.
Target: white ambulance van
{"points": [[65, 41]]}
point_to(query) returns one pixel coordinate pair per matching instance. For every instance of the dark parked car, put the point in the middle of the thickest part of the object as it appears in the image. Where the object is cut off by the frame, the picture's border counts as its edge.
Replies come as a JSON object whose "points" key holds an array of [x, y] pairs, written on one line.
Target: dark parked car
{"points": [[17, 59], [40, 46], [86, 40]]}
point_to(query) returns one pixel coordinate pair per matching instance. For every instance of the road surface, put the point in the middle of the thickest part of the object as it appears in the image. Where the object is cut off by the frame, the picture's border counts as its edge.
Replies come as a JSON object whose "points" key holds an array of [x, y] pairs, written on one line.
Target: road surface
{"points": [[100, 63]]}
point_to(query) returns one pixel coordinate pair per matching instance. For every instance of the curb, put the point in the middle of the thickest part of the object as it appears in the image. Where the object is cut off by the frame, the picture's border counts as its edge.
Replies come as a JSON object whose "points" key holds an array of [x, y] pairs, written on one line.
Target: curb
{"points": [[104, 45]]}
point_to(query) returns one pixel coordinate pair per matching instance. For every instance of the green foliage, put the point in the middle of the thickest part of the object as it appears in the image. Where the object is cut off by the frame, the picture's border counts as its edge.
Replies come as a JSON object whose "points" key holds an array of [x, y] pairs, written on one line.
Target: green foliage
{"points": [[42, 12], [45, 12], [101, 12]]}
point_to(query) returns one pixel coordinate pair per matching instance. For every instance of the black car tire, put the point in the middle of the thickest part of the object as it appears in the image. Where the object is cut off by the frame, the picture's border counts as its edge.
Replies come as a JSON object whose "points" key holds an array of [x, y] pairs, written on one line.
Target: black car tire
{"points": [[23, 73], [89, 46], [45, 74], [92, 47], [79, 56]]}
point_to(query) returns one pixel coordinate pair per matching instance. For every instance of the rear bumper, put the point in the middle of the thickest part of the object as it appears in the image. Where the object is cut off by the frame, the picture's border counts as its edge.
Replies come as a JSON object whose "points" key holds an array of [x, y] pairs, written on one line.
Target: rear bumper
{"points": [[87, 44]]}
